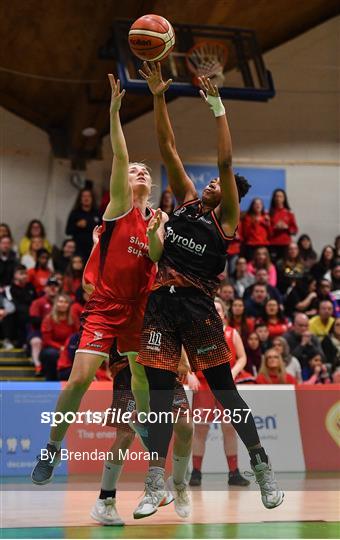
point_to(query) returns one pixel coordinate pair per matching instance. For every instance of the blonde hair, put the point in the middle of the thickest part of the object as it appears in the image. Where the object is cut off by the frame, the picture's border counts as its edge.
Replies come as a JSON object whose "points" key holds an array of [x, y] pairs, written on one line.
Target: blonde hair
{"points": [[281, 370], [218, 300], [54, 312]]}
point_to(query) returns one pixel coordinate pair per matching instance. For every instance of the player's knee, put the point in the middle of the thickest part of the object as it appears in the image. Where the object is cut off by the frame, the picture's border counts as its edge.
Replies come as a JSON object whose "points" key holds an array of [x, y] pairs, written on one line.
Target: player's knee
{"points": [[184, 429], [124, 439], [79, 382]]}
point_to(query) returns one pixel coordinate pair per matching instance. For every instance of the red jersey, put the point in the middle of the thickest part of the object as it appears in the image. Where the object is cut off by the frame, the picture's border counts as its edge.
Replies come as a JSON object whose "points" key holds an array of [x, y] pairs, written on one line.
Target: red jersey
{"points": [[282, 237], [256, 231], [55, 334], [119, 266], [274, 379], [38, 277]]}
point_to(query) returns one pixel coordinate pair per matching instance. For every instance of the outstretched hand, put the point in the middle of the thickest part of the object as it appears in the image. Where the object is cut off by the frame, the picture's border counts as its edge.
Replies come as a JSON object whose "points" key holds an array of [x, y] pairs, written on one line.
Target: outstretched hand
{"points": [[152, 74], [116, 95], [96, 234], [154, 223], [207, 88]]}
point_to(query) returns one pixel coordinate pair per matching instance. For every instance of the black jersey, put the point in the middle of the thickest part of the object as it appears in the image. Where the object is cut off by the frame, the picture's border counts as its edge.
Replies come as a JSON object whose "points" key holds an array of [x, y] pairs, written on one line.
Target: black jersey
{"points": [[195, 249]]}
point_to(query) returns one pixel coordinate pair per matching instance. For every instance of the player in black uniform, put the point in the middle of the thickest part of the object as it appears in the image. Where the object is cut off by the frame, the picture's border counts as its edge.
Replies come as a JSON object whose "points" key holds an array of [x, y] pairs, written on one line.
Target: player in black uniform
{"points": [[181, 309]]}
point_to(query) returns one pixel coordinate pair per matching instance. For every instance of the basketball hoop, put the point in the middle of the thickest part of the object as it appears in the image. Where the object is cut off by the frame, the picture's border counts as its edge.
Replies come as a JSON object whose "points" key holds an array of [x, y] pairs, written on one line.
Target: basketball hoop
{"points": [[208, 59]]}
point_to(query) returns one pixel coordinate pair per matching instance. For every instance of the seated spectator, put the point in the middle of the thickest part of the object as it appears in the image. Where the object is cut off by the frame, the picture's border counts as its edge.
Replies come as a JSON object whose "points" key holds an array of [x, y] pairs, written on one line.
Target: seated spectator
{"points": [[56, 328], [274, 319], [241, 278], [282, 224], [233, 251], [261, 260], [39, 309], [255, 227], [302, 343], [324, 264], [261, 277], [337, 247], [8, 261], [307, 253], [316, 372], [302, 297], [273, 371], [59, 277], [254, 353], [263, 334], [7, 309], [73, 276], [331, 345], [66, 357], [325, 293], [22, 294], [81, 222], [292, 364], [39, 275], [35, 229], [6, 231], [238, 319], [167, 202], [61, 258], [30, 259], [226, 292], [290, 268], [77, 308], [321, 324], [255, 304], [334, 278]]}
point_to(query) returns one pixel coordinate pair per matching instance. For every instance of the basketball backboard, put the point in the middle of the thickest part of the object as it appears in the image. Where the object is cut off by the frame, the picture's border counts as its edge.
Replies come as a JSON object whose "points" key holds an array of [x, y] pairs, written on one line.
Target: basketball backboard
{"points": [[232, 54]]}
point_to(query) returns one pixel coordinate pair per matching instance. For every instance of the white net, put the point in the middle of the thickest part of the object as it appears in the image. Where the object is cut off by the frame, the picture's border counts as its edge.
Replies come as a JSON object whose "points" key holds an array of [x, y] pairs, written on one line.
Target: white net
{"points": [[208, 58]]}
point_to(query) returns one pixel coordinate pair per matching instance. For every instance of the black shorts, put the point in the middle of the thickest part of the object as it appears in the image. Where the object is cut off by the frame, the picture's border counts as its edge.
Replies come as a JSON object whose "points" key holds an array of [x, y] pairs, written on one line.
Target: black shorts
{"points": [[124, 401], [185, 317]]}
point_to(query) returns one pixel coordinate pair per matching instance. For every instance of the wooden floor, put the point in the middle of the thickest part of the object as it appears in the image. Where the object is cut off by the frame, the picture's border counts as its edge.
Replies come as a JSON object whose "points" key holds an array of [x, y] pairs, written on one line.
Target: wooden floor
{"points": [[317, 502]]}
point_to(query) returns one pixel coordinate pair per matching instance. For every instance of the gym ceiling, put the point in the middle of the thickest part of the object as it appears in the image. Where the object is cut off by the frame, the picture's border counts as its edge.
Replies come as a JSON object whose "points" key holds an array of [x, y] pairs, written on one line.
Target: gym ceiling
{"points": [[61, 39]]}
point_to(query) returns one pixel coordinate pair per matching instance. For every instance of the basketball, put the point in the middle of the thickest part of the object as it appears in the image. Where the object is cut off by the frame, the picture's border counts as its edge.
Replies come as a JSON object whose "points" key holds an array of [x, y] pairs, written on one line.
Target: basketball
{"points": [[151, 38]]}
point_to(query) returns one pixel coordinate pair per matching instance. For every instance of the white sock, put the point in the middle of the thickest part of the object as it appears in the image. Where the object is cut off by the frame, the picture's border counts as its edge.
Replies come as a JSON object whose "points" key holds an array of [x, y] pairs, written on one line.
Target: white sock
{"points": [[111, 473], [156, 470], [56, 444], [179, 468]]}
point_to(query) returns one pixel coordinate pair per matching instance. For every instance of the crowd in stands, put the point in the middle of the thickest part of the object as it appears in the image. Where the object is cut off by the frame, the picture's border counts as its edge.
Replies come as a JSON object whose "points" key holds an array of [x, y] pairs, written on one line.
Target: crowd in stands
{"points": [[281, 297]]}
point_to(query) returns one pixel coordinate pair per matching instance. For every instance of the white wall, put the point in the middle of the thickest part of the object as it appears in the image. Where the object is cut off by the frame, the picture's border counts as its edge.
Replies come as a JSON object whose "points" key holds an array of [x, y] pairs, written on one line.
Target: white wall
{"points": [[298, 130]]}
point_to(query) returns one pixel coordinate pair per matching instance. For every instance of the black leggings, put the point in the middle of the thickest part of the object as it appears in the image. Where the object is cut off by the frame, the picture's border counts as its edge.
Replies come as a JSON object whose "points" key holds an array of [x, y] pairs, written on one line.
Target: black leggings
{"points": [[220, 380]]}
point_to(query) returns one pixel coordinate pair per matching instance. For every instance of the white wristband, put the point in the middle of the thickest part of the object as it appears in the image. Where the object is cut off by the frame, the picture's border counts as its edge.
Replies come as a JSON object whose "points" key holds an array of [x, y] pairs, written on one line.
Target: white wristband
{"points": [[216, 105]]}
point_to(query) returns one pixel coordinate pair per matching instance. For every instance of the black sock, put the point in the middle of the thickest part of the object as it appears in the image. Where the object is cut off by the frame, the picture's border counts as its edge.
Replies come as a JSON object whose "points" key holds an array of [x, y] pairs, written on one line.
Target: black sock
{"points": [[104, 494], [258, 455]]}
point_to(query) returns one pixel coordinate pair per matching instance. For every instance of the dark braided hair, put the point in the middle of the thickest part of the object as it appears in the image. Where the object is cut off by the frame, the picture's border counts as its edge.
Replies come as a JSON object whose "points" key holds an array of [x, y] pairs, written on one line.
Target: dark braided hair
{"points": [[243, 186]]}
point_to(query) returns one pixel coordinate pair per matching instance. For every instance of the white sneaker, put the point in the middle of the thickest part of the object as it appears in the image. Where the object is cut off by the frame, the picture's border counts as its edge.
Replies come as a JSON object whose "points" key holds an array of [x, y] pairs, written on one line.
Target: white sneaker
{"points": [[7, 345], [155, 495], [271, 494], [105, 512], [181, 496]]}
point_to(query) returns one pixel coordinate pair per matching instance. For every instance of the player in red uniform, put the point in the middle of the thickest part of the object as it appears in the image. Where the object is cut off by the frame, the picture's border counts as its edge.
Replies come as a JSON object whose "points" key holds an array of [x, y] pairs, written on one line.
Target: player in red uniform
{"points": [[122, 273]]}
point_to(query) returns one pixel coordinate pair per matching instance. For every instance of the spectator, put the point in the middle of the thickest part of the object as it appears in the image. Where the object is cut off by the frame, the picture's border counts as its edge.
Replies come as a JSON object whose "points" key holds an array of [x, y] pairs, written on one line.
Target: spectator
{"points": [[263, 334], [273, 371], [307, 253], [331, 345], [39, 275], [66, 357], [324, 293], [337, 247], [262, 260], [334, 277], [238, 319], [261, 278], [283, 224], [255, 304], [167, 202], [226, 293], [77, 308], [39, 309], [254, 353], [324, 264], [302, 343], [7, 309], [6, 231], [56, 328], [234, 249], [321, 324], [292, 364], [315, 372], [255, 227], [35, 229], [59, 277], [274, 319], [8, 261], [30, 259], [290, 268], [302, 297], [22, 294], [73, 276], [241, 278], [81, 222], [61, 258]]}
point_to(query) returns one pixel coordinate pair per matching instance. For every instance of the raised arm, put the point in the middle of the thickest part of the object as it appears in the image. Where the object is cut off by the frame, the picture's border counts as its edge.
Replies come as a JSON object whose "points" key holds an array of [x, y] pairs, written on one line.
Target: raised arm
{"points": [[120, 190], [155, 234], [183, 188], [228, 210]]}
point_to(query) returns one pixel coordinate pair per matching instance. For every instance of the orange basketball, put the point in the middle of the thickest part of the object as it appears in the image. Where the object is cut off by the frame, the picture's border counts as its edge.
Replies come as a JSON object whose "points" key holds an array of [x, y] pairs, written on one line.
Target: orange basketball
{"points": [[151, 37]]}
